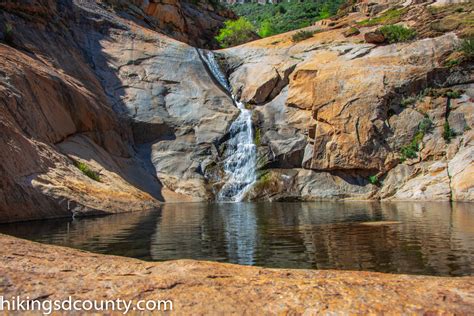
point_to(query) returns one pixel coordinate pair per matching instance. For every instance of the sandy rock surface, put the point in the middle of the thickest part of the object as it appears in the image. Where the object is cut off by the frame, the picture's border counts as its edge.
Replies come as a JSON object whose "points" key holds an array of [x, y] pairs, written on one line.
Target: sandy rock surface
{"points": [[198, 288]]}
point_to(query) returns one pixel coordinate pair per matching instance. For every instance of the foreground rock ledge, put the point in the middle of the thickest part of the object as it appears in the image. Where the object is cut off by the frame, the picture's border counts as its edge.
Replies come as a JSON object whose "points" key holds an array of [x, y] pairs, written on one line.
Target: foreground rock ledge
{"points": [[37, 270]]}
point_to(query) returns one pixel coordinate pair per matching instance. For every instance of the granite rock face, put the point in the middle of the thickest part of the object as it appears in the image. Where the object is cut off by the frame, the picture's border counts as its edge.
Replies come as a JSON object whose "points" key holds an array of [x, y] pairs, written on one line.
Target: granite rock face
{"points": [[110, 94], [348, 109], [215, 288], [333, 115]]}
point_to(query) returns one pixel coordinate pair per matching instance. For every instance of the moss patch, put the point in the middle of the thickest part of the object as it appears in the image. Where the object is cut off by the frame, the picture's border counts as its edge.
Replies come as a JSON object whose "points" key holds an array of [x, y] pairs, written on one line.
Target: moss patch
{"points": [[87, 170], [257, 139], [388, 17], [454, 17], [302, 35], [397, 33]]}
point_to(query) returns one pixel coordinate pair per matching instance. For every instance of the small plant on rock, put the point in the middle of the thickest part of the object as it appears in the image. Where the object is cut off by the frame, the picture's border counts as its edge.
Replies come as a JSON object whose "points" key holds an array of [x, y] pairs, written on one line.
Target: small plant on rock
{"points": [[467, 47], [410, 151], [397, 33], [448, 132], [258, 137], [301, 36], [8, 34], [374, 180], [452, 63], [425, 125], [388, 17], [87, 170], [406, 102], [453, 94], [352, 31]]}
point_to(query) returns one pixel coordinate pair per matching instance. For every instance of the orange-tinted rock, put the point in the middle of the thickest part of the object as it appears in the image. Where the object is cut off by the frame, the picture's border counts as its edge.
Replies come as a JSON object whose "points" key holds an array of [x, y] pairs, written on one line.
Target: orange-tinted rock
{"points": [[375, 37], [36, 270]]}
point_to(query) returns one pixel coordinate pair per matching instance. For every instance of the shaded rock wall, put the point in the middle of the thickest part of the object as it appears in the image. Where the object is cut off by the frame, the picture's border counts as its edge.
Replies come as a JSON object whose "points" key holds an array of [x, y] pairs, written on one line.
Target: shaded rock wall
{"points": [[193, 22], [82, 84]]}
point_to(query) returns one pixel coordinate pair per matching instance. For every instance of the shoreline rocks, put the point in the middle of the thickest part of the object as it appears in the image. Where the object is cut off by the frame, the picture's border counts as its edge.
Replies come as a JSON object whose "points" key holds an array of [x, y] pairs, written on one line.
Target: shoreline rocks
{"points": [[197, 287]]}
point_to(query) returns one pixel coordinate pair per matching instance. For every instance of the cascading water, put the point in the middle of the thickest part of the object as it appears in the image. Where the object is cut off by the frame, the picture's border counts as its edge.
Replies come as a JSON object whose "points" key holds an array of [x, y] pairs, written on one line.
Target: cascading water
{"points": [[241, 152]]}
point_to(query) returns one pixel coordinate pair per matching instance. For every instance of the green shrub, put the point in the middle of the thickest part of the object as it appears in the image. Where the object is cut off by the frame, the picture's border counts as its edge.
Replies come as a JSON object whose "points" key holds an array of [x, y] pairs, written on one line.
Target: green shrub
{"points": [[397, 33], [374, 180], [301, 36], [467, 47], [266, 29], [235, 32], [425, 125], [388, 17], [87, 170], [452, 63], [287, 16], [453, 94], [410, 151], [408, 101], [448, 132], [325, 12], [8, 33]]}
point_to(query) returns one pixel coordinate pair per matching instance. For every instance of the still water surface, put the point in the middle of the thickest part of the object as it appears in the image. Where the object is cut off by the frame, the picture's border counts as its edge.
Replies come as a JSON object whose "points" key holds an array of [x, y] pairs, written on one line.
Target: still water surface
{"points": [[415, 238]]}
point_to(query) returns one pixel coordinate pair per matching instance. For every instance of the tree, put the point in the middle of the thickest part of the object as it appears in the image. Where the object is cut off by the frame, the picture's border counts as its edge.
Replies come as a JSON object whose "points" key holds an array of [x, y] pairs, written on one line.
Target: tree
{"points": [[266, 29], [325, 12], [236, 32]]}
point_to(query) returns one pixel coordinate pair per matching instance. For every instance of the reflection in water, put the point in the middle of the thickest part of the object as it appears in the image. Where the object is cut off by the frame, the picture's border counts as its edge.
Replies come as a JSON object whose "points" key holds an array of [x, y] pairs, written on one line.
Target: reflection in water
{"points": [[240, 227], [416, 238]]}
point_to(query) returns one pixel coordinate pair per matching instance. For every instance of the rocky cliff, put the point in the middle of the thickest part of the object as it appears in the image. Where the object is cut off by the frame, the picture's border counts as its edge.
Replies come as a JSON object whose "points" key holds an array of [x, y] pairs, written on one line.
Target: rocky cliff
{"points": [[83, 89], [336, 115], [101, 111]]}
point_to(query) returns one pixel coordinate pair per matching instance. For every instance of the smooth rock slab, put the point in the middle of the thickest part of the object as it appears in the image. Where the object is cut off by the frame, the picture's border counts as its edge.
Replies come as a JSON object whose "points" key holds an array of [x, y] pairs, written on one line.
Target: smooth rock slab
{"points": [[198, 288]]}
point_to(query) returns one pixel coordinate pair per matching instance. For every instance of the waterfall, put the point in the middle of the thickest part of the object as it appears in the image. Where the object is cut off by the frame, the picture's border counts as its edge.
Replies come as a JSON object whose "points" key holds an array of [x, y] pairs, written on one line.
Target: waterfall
{"points": [[241, 152]]}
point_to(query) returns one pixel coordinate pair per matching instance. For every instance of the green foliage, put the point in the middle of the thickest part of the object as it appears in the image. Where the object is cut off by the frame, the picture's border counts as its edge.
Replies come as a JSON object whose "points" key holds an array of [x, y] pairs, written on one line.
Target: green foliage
{"points": [[286, 16], [425, 125], [374, 180], [87, 170], [301, 36], [406, 102], [388, 17], [467, 47], [325, 12], [453, 94], [410, 151], [8, 33], [258, 137], [351, 32], [236, 32], [266, 29], [397, 33], [265, 181], [452, 63], [448, 132]]}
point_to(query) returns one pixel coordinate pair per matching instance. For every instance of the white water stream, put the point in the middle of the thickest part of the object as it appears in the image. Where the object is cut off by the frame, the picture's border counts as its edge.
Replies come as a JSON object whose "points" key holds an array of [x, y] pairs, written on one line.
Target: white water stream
{"points": [[241, 152]]}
